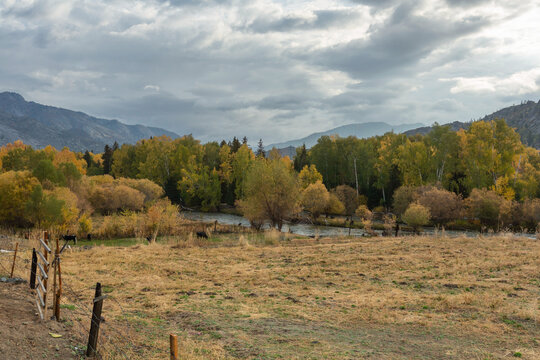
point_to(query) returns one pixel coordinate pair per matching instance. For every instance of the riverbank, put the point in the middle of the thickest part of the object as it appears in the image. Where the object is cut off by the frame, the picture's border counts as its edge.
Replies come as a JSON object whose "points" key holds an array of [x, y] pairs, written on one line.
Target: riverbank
{"points": [[336, 226]]}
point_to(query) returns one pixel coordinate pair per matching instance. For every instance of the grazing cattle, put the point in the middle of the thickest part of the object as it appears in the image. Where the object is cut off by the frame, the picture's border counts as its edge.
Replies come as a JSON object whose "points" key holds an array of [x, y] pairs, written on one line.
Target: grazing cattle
{"points": [[202, 234], [70, 238]]}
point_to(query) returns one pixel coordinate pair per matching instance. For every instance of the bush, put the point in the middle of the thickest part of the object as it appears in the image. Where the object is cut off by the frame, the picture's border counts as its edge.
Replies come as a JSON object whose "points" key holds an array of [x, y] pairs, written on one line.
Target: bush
{"points": [[161, 217], [443, 205], [334, 206], [315, 198], [150, 189], [490, 208], [108, 198], [416, 216], [85, 226], [363, 212], [366, 215], [530, 213]]}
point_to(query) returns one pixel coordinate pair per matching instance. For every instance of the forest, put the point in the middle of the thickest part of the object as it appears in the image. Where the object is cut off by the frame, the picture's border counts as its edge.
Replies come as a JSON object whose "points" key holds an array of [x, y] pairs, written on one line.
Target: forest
{"points": [[483, 175]]}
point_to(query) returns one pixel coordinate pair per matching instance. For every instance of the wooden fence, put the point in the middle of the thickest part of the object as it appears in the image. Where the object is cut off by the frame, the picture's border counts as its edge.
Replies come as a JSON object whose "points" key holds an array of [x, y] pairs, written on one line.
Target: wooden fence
{"points": [[47, 284]]}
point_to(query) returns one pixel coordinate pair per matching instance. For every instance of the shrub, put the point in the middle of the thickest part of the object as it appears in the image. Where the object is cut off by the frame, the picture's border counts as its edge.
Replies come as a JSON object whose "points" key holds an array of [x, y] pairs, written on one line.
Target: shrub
{"points": [[366, 215], [363, 212], [161, 217], [85, 225], [334, 206], [315, 198], [150, 189], [108, 197], [416, 216], [443, 205], [490, 208], [530, 213]]}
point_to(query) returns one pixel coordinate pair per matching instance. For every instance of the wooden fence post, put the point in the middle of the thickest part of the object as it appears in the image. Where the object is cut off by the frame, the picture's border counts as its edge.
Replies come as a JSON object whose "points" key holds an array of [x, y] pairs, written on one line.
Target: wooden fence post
{"points": [[14, 258], [47, 270], [33, 270], [59, 292], [174, 347], [96, 320]]}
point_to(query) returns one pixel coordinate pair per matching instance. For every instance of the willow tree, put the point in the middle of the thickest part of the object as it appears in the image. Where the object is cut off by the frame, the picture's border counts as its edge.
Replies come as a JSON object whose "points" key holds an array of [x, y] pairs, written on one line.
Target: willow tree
{"points": [[270, 192]]}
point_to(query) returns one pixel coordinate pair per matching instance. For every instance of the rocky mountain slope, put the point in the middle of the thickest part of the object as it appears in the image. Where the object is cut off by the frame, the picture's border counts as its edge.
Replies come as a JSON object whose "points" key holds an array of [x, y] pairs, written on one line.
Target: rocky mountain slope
{"points": [[525, 118], [40, 125]]}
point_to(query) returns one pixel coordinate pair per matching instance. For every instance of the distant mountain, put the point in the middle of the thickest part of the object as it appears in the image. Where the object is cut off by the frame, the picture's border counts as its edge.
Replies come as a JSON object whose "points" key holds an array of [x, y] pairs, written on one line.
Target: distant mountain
{"points": [[364, 130], [40, 125], [525, 118]]}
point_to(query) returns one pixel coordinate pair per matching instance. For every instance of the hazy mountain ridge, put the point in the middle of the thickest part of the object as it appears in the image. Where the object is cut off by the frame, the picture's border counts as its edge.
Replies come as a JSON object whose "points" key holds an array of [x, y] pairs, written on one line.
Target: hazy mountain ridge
{"points": [[362, 130], [41, 125], [525, 118]]}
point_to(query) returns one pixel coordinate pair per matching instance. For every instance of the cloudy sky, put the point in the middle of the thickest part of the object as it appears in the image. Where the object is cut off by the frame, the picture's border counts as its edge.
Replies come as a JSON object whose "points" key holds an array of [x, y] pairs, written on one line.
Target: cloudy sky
{"points": [[272, 69]]}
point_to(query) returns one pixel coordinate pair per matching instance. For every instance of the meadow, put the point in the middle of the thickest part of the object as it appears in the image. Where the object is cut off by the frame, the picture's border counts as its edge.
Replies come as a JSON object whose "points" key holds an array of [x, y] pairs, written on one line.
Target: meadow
{"points": [[266, 296]]}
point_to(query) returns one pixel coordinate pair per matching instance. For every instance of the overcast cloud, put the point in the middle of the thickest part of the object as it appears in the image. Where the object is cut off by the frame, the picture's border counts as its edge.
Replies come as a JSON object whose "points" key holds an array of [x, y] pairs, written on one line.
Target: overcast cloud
{"points": [[275, 70]]}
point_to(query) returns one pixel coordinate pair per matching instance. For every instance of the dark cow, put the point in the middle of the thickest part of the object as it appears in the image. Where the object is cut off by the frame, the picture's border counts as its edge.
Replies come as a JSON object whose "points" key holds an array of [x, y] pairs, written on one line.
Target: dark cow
{"points": [[202, 234], [69, 238]]}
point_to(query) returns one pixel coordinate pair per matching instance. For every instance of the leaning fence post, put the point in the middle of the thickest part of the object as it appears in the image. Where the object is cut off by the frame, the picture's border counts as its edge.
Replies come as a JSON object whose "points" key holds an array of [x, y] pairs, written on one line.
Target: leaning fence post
{"points": [[33, 270], [14, 258], [96, 319], [174, 347], [59, 292]]}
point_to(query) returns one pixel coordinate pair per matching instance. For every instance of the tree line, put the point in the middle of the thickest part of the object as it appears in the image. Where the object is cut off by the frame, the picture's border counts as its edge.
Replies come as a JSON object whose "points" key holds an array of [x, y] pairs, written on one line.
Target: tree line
{"points": [[348, 176]]}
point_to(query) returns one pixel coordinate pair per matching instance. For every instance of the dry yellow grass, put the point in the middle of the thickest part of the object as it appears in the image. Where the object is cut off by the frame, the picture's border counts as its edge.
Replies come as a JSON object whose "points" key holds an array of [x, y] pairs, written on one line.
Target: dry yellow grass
{"points": [[383, 298]]}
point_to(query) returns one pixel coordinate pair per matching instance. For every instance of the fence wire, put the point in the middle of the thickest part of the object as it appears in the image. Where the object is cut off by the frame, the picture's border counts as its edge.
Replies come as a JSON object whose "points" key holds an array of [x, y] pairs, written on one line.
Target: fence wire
{"points": [[114, 340]]}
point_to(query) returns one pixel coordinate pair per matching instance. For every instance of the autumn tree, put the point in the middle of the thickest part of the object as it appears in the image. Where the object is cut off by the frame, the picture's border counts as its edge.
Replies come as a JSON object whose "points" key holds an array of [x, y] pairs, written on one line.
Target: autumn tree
{"points": [[309, 175], [314, 199], [347, 196], [270, 192], [16, 188], [43, 210]]}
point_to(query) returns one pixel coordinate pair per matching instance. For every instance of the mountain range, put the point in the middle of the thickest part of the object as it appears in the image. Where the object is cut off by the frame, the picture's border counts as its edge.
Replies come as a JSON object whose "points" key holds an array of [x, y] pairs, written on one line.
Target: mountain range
{"points": [[524, 118], [40, 125], [363, 130]]}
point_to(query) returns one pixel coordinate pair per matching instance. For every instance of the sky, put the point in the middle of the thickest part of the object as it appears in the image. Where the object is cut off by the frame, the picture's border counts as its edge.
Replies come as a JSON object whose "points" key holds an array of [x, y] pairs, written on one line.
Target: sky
{"points": [[276, 70]]}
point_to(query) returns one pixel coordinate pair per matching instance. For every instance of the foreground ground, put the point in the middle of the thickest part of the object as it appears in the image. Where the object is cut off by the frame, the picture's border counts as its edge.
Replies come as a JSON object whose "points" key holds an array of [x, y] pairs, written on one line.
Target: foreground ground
{"points": [[23, 335], [380, 298]]}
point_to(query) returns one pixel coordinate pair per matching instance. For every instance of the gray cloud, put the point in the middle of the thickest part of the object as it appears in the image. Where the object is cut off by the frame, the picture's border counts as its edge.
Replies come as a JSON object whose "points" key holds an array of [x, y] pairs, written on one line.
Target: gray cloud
{"points": [[403, 40], [321, 19], [271, 69]]}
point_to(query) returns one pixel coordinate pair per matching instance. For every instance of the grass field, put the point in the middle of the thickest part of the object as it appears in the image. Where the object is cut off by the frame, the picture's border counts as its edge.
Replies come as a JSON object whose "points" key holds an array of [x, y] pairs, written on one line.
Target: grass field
{"points": [[262, 298]]}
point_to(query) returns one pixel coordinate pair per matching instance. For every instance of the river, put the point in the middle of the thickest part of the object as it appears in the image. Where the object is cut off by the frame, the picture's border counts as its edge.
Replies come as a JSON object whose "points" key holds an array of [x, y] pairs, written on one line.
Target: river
{"points": [[312, 230]]}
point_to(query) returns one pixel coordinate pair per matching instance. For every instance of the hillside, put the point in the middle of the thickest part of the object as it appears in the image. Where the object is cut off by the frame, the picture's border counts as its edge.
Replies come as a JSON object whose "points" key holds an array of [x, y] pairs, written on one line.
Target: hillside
{"points": [[40, 125], [525, 118], [364, 130]]}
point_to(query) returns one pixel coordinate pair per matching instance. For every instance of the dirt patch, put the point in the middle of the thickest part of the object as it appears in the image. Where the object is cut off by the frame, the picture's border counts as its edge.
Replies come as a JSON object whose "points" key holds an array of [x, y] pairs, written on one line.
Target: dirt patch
{"points": [[23, 335]]}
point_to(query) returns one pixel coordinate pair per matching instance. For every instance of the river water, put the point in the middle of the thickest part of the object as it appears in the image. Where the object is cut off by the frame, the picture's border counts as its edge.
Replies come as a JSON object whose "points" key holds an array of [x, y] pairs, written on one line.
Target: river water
{"points": [[309, 229]]}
